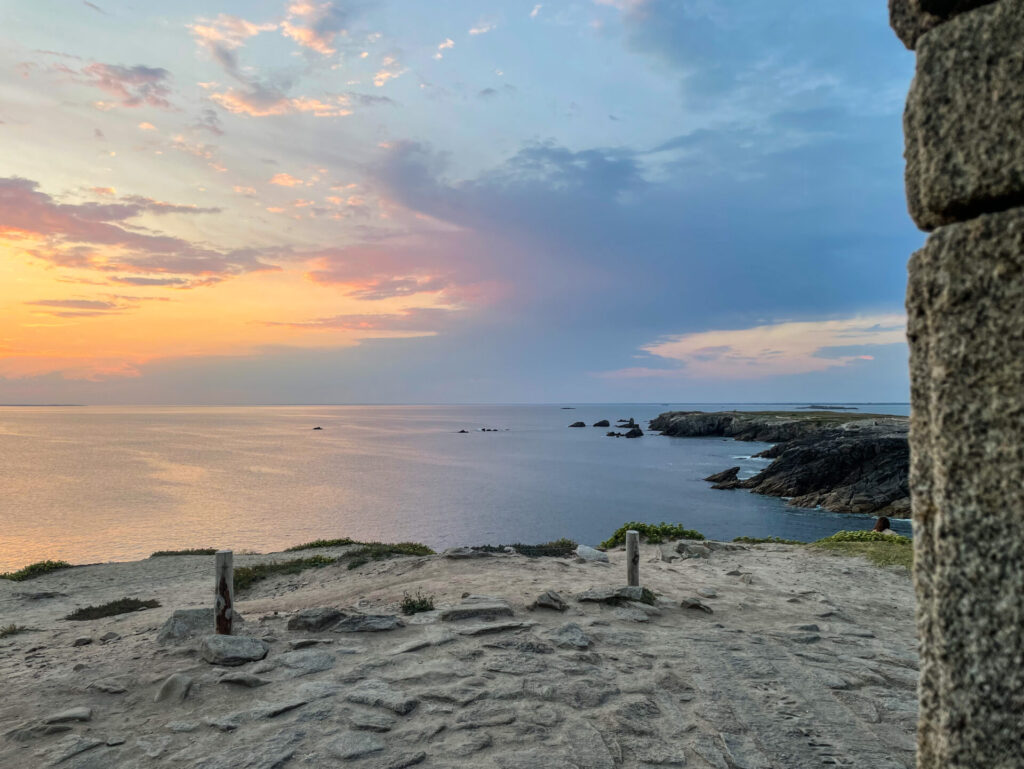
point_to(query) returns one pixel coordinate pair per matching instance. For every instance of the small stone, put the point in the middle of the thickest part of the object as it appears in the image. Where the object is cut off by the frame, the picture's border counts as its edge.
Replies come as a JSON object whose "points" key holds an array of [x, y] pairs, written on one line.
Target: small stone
{"points": [[465, 552], [617, 595], [82, 641], [303, 643], [110, 686], [371, 722], [688, 550], [477, 609], [70, 746], [491, 627], [376, 693], [476, 742], [628, 614], [707, 592], [243, 679], [315, 619], [570, 636], [352, 745], [108, 637], [484, 716], [402, 761], [694, 603], [81, 713], [182, 727], [185, 624], [549, 599], [232, 650], [747, 579], [591, 555], [175, 688], [368, 623]]}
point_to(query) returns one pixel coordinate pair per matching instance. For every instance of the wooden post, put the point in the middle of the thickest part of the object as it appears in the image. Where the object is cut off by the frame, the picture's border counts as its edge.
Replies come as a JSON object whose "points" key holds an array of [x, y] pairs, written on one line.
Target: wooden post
{"points": [[633, 558], [224, 612]]}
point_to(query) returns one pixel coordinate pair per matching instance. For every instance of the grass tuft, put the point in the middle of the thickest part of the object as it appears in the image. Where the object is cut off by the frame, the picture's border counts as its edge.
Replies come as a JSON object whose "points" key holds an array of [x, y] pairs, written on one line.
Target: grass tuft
{"points": [[375, 551], [34, 570], [247, 576], [767, 541], [416, 604], [12, 629], [120, 606], [881, 549], [651, 533], [322, 543], [189, 551]]}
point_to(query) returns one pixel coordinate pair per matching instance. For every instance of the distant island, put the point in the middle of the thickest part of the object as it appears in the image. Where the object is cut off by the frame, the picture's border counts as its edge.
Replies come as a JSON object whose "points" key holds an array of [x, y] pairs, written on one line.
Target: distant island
{"points": [[845, 463]]}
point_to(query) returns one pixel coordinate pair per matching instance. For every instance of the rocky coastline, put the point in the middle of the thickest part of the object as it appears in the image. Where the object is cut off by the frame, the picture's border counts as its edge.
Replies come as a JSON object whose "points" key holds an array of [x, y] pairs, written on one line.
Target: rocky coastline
{"points": [[841, 462]]}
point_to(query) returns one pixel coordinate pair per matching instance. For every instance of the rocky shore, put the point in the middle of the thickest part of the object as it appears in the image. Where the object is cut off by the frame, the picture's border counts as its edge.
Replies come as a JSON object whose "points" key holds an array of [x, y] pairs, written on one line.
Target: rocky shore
{"points": [[846, 463], [754, 657]]}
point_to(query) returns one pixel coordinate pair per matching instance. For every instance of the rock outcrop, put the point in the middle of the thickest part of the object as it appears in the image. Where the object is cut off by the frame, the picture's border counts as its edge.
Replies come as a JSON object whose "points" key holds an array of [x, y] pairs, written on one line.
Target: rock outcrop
{"points": [[846, 463]]}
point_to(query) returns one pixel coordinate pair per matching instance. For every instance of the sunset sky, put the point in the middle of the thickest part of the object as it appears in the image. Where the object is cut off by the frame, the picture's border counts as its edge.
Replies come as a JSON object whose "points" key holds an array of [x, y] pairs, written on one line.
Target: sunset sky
{"points": [[451, 201]]}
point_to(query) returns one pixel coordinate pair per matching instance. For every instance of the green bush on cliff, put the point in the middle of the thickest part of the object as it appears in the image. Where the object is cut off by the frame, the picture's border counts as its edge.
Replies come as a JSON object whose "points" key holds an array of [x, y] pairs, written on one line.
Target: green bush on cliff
{"points": [[651, 533], [881, 549], [112, 609], [317, 543], [247, 576], [34, 570], [375, 551], [188, 551]]}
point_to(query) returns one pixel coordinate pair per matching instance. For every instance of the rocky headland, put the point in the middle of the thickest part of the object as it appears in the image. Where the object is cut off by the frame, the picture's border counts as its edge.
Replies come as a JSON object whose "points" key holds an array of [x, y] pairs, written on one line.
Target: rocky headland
{"points": [[846, 463], [734, 656]]}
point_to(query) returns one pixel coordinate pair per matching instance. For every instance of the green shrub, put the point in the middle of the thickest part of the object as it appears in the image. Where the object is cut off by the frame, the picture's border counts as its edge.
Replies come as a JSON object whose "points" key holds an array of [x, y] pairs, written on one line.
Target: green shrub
{"points": [[768, 541], [120, 606], [190, 551], [378, 550], [416, 604], [559, 548], [865, 536], [12, 629], [881, 549], [247, 576], [355, 563], [35, 570], [322, 543], [651, 533]]}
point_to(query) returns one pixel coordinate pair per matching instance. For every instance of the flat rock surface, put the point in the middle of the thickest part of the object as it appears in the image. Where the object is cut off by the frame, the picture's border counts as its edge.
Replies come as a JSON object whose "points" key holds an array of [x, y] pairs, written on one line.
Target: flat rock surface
{"points": [[812, 663]]}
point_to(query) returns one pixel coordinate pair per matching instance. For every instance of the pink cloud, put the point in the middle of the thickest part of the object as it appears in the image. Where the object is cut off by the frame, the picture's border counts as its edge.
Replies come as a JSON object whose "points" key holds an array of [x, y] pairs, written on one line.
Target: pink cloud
{"points": [[315, 25], [130, 86]]}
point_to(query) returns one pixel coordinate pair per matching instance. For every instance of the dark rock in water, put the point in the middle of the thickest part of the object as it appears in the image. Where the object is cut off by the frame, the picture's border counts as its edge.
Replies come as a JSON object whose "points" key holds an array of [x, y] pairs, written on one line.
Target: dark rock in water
{"points": [[636, 432], [846, 463], [612, 434], [602, 423], [318, 428], [464, 431], [726, 479], [725, 475], [626, 423], [578, 424]]}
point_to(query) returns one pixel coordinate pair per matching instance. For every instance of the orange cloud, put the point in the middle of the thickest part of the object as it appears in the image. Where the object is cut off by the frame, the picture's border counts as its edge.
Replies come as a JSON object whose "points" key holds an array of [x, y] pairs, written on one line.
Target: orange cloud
{"points": [[315, 25], [285, 180], [258, 102]]}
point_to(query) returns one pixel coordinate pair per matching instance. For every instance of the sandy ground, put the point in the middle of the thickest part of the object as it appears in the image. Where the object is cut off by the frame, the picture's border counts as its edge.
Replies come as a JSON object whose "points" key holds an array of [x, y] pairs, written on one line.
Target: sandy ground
{"points": [[809, 661]]}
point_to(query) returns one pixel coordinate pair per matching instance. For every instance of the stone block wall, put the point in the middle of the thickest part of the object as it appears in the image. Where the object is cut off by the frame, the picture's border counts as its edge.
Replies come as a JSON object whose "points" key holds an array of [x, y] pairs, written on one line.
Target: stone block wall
{"points": [[964, 126]]}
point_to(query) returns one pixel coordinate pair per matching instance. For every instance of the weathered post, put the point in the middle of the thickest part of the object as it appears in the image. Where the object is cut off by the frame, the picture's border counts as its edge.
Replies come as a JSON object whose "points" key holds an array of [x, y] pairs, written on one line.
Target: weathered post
{"points": [[224, 604], [633, 558]]}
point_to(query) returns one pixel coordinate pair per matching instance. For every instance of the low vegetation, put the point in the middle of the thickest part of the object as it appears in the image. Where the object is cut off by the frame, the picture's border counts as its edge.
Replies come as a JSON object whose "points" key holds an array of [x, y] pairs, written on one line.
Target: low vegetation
{"points": [[417, 603], [651, 533], [247, 576], [120, 606], [880, 549], [559, 548], [375, 551], [190, 551], [767, 541], [322, 543], [12, 629], [34, 570]]}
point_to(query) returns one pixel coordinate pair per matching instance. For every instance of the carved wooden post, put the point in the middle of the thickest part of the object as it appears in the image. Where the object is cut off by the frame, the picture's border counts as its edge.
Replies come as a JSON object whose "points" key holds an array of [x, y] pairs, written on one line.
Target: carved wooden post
{"points": [[224, 611], [633, 558]]}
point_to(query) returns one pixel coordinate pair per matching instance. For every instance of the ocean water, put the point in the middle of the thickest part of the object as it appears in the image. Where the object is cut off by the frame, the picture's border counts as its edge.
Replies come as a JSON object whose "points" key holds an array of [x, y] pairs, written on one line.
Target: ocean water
{"points": [[93, 484]]}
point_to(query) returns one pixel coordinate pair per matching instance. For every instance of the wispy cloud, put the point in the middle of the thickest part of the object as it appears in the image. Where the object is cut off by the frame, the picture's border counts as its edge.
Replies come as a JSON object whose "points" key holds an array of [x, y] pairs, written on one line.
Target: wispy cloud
{"points": [[446, 45], [769, 350], [316, 26], [130, 86], [483, 27], [390, 68]]}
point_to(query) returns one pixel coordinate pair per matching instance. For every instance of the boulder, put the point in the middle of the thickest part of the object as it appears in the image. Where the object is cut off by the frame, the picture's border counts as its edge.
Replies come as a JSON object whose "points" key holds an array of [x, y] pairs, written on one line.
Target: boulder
{"points": [[590, 554], [578, 424], [185, 624], [724, 476], [635, 432], [602, 423], [616, 595], [232, 650], [477, 609], [175, 688], [697, 604], [569, 636], [378, 694], [81, 713], [315, 619]]}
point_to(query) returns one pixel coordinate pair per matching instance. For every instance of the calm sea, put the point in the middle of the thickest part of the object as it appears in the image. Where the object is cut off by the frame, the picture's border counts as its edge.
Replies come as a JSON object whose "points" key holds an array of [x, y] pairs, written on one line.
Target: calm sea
{"points": [[94, 484]]}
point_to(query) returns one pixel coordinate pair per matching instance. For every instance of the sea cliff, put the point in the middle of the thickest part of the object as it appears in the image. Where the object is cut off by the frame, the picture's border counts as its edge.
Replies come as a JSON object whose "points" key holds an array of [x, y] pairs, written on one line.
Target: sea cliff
{"points": [[846, 463]]}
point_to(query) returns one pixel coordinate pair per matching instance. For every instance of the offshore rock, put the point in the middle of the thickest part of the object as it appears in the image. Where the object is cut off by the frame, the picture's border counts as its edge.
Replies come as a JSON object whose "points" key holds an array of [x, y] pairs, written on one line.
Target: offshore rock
{"points": [[846, 463]]}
